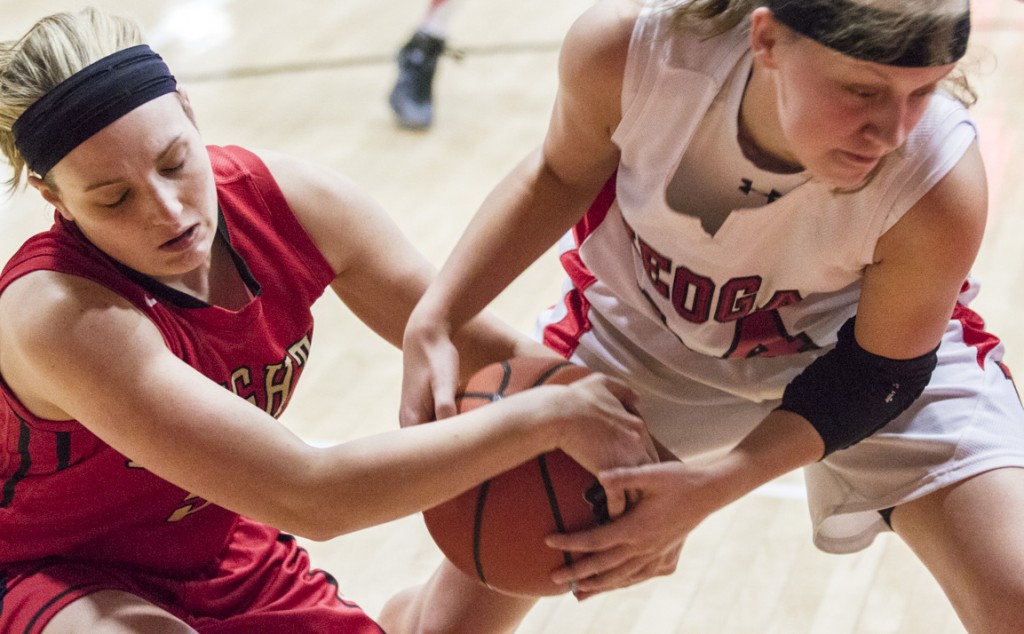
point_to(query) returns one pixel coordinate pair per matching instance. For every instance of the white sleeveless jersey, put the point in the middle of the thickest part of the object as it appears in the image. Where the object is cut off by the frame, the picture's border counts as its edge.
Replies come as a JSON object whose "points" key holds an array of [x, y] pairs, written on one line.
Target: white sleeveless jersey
{"points": [[745, 309], [710, 326]]}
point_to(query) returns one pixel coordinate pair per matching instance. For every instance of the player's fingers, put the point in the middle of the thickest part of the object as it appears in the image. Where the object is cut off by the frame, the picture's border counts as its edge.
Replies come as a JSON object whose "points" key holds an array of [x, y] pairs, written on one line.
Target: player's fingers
{"points": [[619, 501], [418, 395], [582, 594], [585, 573], [445, 409], [616, 501], [622, 392], [407, 420], [414, 413], [637, 479], [652, 449], [589, 541], [629, 572], [444, 399], [632, 498]]}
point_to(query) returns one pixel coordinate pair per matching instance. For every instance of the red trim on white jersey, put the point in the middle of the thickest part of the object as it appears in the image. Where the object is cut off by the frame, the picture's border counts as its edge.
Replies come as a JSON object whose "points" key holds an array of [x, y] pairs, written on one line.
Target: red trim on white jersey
{"points": [[564, 335], [974, 328]]}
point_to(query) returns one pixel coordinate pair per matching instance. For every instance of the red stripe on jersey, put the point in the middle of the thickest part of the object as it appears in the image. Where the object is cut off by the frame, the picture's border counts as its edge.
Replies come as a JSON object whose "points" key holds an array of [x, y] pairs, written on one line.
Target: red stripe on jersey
{"points": [[564, 335], [597, 212], [974, 332]]}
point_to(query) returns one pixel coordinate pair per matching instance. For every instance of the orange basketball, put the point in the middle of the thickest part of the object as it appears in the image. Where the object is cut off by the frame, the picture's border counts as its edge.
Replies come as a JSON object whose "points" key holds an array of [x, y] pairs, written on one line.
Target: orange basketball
{"points": [[496, 531]]}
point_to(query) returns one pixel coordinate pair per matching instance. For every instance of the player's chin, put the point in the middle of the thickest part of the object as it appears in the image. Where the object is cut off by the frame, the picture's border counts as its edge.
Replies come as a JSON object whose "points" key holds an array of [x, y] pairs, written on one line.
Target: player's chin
{"points": [[843, 174]]}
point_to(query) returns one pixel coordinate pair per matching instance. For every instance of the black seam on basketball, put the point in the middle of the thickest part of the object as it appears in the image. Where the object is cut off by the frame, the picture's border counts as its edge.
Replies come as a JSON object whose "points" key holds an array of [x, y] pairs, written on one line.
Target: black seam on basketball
{"points": [[547, 373], [506, 377], [556, 513], [478, 520], [487, 396]]}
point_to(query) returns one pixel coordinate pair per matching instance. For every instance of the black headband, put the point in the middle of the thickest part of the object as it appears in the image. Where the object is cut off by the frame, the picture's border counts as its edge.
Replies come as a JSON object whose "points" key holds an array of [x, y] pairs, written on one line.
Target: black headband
{"points": [[87, 102], [852, 28]]}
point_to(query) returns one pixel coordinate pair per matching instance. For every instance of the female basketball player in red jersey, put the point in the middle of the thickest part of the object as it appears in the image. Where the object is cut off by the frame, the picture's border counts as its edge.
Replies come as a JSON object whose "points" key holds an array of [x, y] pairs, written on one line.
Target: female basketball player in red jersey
{"points": [[772, 208], [148, 339]]}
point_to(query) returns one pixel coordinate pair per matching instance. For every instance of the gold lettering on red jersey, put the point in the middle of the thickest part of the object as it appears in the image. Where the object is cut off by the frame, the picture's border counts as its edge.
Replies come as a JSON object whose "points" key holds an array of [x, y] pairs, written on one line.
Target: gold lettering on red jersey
{"points": [[279, 378], [278, 381], [300, 350], [278, 385], [190, 505], [241, 384]]}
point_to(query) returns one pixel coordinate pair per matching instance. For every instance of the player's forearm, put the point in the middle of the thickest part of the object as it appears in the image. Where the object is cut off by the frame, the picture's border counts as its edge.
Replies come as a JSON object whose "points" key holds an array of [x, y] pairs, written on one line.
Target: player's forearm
{"points": [[524, 215], [380, 478], [486, 339], [781, 443]]}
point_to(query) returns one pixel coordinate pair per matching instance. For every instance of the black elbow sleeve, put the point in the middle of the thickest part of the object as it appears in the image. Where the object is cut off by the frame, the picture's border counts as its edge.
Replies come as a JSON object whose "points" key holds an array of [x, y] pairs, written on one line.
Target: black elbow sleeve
{"points": [[849, 393]]}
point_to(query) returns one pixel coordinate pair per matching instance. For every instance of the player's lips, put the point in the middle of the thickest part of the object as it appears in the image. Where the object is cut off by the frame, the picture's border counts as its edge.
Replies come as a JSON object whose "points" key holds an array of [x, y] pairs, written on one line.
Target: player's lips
{"points": [[183, 240], [860, 159]]}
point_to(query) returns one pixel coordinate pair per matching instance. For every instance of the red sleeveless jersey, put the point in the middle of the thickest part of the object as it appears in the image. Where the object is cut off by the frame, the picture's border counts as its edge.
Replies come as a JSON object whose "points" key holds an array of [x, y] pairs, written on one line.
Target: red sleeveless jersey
{"points": [[62, 490]]}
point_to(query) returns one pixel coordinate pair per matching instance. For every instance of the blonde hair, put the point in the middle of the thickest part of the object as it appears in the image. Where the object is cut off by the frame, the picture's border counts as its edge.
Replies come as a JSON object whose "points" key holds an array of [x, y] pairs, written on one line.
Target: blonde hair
{"points": [[709, 18], [55, 48]]}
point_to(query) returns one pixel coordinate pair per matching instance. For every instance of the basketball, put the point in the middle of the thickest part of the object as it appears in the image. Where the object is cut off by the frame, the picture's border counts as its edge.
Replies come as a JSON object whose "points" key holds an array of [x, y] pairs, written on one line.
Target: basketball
{"points": [[495, 532]]}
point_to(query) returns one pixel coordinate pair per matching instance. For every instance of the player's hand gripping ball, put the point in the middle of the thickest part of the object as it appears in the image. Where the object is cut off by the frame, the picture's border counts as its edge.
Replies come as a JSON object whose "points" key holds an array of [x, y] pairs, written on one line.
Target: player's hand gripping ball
{"points": [[495, 532]]}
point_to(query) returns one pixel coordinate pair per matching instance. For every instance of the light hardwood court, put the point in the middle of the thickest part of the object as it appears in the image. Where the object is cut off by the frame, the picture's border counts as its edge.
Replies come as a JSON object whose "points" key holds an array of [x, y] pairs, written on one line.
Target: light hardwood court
{"points": [[311, 78]]}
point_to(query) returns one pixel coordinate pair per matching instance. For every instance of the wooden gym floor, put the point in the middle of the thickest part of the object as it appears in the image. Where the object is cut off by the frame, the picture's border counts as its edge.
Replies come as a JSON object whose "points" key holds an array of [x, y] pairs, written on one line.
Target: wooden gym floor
{"points": [[311, 78]]}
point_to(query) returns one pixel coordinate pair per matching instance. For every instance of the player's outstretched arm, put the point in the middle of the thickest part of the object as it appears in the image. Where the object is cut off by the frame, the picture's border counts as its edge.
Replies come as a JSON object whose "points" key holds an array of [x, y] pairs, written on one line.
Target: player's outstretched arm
{"points": [[111, 370]]}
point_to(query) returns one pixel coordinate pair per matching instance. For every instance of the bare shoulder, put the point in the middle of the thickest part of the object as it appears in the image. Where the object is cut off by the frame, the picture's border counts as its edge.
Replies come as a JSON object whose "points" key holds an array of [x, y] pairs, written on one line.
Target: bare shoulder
{"points": [[41, 304], [609, 22], [921, 263], [53, 325], [588, 107], [598, 42], [949, 219], [305, 183]]}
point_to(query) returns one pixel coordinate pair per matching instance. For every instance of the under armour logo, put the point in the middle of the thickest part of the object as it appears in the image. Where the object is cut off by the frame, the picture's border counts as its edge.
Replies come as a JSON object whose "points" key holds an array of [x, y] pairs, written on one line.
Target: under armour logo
{"points": [[892, 394], [748, 186]]}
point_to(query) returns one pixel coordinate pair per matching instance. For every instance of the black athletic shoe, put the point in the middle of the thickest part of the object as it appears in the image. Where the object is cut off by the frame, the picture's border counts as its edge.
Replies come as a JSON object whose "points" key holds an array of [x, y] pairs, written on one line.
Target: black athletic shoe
{"points": [[412, 97]]}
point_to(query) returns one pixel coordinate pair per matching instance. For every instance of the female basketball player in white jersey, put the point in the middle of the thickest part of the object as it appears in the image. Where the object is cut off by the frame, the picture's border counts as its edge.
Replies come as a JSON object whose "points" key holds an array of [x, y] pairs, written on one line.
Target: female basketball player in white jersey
{"points": [[768, 213]]}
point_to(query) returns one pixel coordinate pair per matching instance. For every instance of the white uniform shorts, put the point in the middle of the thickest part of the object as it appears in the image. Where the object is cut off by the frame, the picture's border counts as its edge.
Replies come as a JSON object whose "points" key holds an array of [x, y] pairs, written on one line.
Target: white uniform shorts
{"points": [[968, 420]]}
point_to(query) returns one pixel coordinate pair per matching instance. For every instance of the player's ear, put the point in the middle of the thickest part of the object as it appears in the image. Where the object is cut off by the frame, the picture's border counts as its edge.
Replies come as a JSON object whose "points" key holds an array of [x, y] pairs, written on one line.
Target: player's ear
{"points": [[764, 36], [50, 195]]}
